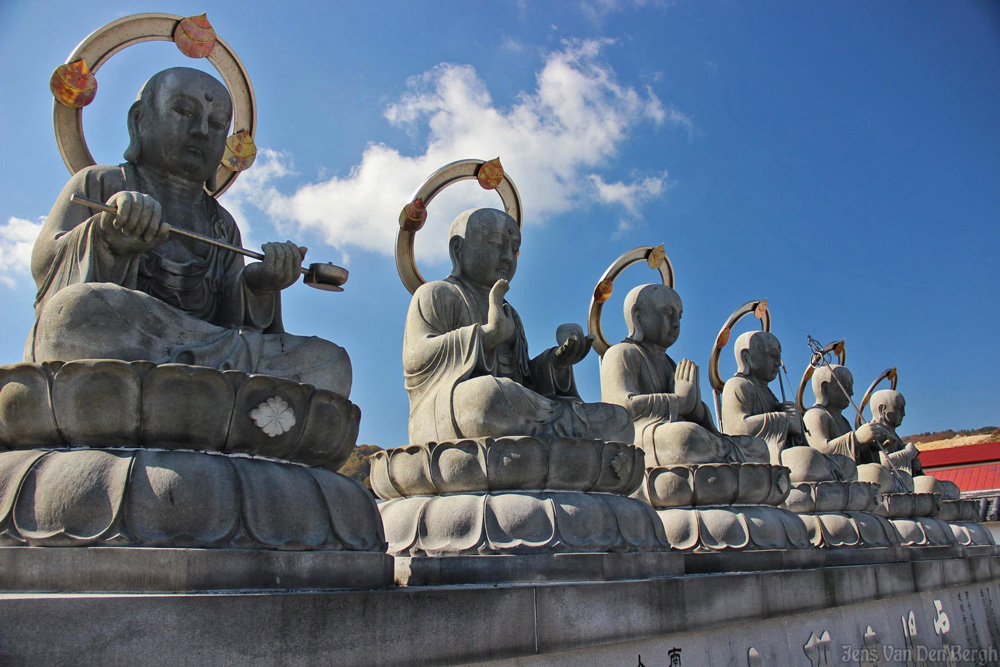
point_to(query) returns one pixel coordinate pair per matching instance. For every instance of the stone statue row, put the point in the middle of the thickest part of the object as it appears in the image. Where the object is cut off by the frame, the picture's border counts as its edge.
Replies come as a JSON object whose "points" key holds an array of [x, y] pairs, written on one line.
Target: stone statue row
{"points": [[504, 455]]}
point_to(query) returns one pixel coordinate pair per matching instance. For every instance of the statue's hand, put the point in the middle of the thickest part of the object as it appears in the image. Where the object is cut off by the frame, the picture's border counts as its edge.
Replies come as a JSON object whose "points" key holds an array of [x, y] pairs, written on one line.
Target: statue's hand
{"points": [[136, 227], [686, 386], [280, 267], [870, 433], [499, 320], [795, 424], [572, 350]]}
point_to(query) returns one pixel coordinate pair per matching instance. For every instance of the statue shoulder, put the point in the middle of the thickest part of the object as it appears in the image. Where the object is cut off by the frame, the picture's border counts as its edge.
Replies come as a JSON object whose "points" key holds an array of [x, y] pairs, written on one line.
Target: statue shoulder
{"points": [[624, 352], [96, 180]]}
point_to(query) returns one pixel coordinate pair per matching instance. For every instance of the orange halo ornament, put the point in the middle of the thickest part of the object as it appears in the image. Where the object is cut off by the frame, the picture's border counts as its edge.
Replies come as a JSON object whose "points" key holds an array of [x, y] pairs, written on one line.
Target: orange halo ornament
{"points": [[195, 37], [73, 85], [655, 257]]}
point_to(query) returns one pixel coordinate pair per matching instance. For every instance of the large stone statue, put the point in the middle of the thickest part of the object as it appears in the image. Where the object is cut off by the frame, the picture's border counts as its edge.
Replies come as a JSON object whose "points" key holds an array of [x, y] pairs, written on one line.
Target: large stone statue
{"points": [[120, 287], [748, 405], [663, 398], [888, 409], [465, 356], [827, 430]]}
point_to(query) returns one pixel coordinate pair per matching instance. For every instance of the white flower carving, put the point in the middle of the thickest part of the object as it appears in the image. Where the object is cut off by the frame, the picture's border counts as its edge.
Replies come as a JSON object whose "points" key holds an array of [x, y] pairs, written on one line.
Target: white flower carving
{"points": [[273, 416], [622, 465]]}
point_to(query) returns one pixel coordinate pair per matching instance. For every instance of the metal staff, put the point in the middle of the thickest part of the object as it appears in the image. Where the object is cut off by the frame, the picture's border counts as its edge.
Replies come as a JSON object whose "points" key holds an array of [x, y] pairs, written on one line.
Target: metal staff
{"points": [[321, 275], [819, 359]]}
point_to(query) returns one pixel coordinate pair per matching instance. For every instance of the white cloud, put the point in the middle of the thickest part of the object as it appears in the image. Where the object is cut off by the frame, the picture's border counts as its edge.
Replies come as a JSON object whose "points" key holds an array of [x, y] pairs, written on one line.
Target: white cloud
{"points": [[630, 196], [255, 187], [16, 239], [550, 141]]}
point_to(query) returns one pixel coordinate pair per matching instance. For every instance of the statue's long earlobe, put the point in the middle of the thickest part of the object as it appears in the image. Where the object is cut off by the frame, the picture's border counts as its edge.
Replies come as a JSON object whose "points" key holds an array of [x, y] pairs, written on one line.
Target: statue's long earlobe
{"points": [[636, 333], [134, 150], [454, 250]]}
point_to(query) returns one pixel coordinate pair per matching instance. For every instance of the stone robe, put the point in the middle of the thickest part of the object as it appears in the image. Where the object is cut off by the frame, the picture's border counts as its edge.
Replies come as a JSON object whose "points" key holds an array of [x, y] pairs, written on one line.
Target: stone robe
{"points": [[457, 389], [828, 431], [190, 305], [749, 407], [640, 378]]}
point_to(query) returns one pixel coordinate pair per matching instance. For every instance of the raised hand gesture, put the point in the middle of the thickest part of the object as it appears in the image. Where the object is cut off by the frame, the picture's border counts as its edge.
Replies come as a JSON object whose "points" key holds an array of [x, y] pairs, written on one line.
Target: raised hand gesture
{"points": [[499, 325]]}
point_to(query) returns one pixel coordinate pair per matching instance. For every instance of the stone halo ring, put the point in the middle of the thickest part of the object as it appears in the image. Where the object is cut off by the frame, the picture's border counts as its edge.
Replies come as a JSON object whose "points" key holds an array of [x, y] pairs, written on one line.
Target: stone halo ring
{"points": [[837, 348], [654, 256], [115, 36], [889, 374], [759, 310], [490, 175]]}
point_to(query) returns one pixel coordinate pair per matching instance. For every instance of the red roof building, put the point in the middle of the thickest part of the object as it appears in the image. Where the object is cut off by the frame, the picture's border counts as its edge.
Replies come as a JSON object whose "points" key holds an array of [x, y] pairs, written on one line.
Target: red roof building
{"points": [[975, 468]]}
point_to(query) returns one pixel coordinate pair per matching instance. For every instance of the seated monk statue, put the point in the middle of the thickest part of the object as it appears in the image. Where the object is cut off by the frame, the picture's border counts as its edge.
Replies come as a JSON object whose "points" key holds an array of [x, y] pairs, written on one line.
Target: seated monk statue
{"points": [[465, 355], [888, 409], [672, 424], [829, 432], [748, 405], [118, 286]]}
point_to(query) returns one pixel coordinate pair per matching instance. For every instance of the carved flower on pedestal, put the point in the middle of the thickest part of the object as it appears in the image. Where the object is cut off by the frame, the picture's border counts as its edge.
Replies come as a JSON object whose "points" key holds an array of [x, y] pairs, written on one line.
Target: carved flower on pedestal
{"points": [[273, 416]]}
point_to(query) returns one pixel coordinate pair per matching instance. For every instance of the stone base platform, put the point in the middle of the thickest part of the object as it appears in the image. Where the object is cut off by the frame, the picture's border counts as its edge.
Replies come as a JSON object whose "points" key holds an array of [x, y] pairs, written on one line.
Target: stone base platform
{"points": [[536, 568], [136, 569], [790, 617]]}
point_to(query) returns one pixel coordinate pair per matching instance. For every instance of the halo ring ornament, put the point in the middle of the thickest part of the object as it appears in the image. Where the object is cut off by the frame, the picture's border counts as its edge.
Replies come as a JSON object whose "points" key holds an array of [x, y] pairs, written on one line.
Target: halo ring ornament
{"points": [[411, 219], [652, 255], [108, 40], [837, 348], [756, 308], [889, 374]]}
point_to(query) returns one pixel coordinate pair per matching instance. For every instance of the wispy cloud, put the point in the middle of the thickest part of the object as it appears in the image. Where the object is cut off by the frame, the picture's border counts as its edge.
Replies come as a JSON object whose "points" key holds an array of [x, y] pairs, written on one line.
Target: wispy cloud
{"points": [[596, 10], [16, 239], [552, 141]]}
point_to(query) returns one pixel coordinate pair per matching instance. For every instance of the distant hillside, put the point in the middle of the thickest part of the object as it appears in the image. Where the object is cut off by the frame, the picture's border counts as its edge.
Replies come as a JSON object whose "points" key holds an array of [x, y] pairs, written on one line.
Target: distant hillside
{"points": [[951, 438], [358, 466]]}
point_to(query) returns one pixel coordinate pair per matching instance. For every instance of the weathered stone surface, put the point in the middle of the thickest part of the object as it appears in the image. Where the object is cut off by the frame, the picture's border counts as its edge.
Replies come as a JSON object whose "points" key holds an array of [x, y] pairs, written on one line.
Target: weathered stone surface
{"points": [[107, 403], [507, 463], [180, 499], [714, 484], [519, 523], [732, 527], [833, 496]]}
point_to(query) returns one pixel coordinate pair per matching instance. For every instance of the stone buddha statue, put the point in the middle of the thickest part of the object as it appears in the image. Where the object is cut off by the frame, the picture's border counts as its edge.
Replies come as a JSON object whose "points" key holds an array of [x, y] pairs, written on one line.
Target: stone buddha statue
{"points": [[748, 405], [465, 355], [662, 397], [829, 432], [120, 287], [888, 409]]}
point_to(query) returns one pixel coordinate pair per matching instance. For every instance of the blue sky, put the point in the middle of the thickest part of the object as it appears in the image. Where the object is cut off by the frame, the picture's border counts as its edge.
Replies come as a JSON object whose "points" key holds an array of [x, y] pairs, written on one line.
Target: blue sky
{"points": [[841, 159]]}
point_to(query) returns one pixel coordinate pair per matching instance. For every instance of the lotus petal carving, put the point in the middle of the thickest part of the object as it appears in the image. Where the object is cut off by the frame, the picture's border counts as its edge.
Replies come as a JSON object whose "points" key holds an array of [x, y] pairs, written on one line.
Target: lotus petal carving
{"points": [[707, 484], [908, 505], [833, 496], [829, 530], [103, 404], [141, 497], [959, 510], [924, 531], [734, 528], [969, 533], [507, 464], [519, 523]]}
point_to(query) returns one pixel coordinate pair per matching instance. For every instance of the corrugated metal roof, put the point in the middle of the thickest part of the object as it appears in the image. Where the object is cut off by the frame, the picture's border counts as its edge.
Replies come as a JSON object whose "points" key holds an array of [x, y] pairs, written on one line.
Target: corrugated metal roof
{"points": [[950, 456], [971, 478]]}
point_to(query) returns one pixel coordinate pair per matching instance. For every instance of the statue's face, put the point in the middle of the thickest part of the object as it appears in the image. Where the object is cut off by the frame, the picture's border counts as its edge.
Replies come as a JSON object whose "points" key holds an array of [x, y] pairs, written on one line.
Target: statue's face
{"points": [[489, 250], [184, 128], [837, 397], [660, 313], [765, 357], [894, 412]]}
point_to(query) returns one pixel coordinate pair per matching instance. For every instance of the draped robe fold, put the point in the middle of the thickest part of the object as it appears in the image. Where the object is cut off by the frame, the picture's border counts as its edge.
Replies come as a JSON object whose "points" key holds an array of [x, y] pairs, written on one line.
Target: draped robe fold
{"points": [[751, 408], [641, 379], [92, 303], [458, 389]]}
